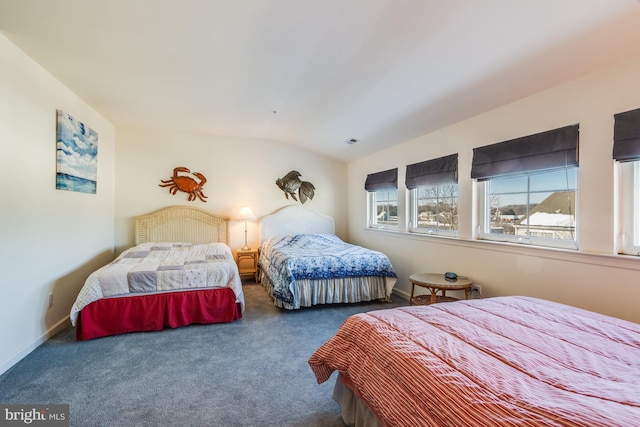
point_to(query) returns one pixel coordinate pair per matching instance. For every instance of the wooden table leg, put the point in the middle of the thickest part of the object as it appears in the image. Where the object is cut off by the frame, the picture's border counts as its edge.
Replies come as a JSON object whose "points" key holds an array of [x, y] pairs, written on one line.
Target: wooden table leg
{"points": [[413, 285]]}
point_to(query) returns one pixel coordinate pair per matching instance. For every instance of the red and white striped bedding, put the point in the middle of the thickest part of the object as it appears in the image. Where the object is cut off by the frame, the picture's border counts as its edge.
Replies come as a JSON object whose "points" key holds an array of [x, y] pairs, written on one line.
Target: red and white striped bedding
{"points": [[498, 361]]}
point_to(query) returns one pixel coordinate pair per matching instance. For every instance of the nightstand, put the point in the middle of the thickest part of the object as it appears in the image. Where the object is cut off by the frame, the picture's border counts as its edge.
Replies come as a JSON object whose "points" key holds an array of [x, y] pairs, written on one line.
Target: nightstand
{"points": [[250, 264]]}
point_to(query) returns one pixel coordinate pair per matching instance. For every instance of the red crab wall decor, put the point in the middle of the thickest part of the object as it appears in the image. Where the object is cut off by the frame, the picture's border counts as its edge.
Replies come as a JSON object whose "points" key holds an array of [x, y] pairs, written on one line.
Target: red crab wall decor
{"points": [[185, 183]]}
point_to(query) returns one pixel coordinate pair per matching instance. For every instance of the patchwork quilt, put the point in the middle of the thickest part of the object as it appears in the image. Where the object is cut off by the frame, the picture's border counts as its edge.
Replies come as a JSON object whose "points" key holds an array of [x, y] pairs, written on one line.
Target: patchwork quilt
{"points": [[158, 267], [317, 256]]}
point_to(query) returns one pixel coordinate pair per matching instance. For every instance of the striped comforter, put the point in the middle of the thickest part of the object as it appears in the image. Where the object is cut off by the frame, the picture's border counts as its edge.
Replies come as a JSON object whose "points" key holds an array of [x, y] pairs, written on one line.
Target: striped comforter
{"points": [[498, 361]]}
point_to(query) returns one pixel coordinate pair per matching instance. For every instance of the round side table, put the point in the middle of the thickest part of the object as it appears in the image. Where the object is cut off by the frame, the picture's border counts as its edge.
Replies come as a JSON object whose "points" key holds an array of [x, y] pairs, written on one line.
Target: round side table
{"points": [[437, 283]]}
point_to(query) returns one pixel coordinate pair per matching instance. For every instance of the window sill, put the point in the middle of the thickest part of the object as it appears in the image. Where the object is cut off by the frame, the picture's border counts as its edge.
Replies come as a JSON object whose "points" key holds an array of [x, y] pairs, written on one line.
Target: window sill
{"points": [[627, 262], [385, 228]]}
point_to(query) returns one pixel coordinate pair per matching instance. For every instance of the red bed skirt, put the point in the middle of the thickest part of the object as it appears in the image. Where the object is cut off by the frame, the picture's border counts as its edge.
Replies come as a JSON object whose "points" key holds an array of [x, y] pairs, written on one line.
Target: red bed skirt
{"points": [[112, 316]]}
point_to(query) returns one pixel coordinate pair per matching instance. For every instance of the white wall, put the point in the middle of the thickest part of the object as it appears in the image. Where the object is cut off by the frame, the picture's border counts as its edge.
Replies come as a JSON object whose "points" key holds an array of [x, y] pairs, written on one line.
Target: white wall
{"points": [[51, 239], [239, 172], [593, 278]]}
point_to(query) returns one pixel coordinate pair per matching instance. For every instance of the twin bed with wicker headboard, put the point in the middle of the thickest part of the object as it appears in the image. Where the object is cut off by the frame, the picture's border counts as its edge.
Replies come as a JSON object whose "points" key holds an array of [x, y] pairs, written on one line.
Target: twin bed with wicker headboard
{"points": [[181, 271]]}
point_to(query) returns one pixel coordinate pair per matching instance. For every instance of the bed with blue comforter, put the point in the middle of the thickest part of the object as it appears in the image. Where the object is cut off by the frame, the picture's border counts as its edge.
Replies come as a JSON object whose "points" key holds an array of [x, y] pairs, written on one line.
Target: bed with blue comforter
{"points": [[303, 270]]}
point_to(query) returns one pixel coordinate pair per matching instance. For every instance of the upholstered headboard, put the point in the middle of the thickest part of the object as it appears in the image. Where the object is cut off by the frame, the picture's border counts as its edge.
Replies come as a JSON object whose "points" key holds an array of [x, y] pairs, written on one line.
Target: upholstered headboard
{"points": [[295, 219], [182, 224]]}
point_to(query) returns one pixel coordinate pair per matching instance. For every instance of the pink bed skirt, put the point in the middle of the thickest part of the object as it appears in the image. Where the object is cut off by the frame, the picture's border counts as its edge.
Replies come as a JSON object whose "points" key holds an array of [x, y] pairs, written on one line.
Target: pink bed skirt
{"points": [[112, 316]]}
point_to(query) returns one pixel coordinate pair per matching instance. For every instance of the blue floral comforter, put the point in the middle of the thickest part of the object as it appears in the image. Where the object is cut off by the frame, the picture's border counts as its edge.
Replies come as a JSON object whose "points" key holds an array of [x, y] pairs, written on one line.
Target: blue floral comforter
{"points": [[317, 256]]}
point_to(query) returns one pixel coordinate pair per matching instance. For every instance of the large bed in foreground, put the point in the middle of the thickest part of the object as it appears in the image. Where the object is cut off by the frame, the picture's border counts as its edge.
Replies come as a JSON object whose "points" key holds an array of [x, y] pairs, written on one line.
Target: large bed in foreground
{"points": [[494, 362], [180, 272], [303, 263]]}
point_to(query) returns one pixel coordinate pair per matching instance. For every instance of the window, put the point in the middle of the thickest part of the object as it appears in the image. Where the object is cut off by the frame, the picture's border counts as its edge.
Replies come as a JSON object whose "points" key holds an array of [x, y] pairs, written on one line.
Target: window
{"points": [[528, 187], [532, 207], [382, 197], [434, 209], [383, 208], [626, 151], [630, 208], [433, 196]]}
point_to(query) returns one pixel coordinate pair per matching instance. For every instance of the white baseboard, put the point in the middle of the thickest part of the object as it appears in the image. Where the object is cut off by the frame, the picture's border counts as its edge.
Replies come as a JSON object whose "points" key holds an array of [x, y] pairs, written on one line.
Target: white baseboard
{"points": [[402, 294], [61, 325]]}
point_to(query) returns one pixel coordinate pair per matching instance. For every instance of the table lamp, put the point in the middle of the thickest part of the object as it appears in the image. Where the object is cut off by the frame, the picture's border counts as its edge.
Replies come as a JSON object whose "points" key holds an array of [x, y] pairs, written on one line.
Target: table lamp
{"points": [[246, 214]]}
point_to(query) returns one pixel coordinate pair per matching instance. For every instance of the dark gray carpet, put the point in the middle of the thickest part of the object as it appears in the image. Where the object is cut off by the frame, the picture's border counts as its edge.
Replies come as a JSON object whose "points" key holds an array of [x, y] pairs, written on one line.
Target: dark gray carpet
{"points": [[252, 372]]}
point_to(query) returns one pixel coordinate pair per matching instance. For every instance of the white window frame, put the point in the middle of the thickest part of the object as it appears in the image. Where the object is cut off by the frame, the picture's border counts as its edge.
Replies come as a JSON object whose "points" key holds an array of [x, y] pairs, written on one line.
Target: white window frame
{"points": [[630, 208], [372, 215], [484, 221], [413, 215]]}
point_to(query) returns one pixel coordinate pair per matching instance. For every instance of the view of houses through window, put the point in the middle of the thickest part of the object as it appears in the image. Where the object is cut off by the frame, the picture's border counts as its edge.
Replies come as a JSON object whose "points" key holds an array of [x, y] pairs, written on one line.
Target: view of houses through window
{"points": [[532, 206], [435, 208], [386, 208], [535, 207]]}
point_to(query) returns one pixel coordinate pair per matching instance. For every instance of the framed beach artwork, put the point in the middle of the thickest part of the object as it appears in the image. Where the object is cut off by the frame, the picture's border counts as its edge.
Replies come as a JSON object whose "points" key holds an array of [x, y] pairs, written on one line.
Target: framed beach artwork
{"points": [[77, 155]]}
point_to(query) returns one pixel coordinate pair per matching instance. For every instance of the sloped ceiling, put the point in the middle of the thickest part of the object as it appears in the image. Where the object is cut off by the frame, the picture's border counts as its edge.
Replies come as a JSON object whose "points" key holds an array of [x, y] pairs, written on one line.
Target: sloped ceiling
{"points": [[316, 73]]}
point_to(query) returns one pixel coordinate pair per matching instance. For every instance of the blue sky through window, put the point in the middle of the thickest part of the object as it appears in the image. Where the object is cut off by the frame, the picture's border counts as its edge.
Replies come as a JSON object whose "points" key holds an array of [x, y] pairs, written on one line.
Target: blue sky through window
{"points": [[512, 190]]}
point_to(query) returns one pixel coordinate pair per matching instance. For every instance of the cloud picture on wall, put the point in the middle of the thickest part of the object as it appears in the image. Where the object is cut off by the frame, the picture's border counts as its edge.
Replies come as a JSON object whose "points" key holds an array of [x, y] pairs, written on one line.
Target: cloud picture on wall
{"points": [[77, 155]]}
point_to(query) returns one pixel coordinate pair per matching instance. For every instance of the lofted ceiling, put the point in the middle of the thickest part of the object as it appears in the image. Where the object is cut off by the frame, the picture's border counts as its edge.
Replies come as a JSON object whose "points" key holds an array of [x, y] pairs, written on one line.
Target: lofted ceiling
{"points": [[316, 73]]}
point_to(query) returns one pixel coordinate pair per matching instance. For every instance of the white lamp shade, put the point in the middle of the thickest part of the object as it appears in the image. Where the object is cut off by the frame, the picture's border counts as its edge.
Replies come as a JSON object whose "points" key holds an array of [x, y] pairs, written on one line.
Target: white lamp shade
{"points": [[246, 214]]}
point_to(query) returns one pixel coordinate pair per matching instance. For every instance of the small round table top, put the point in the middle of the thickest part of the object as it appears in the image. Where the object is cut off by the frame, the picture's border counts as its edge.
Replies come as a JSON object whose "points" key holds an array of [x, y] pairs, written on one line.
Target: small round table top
{"points": [[439, 281]]}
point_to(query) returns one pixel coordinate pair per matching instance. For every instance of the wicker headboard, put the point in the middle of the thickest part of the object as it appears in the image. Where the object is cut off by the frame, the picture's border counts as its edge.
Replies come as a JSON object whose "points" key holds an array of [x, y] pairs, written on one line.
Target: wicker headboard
{"points": [[182, 224], [295, 219]]}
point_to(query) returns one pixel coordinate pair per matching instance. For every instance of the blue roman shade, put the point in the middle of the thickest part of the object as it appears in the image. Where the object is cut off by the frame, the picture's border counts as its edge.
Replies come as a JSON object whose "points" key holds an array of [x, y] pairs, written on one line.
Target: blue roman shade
{"points": [[385, 180], [626, 136], [547, 150], [443, 170]]}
